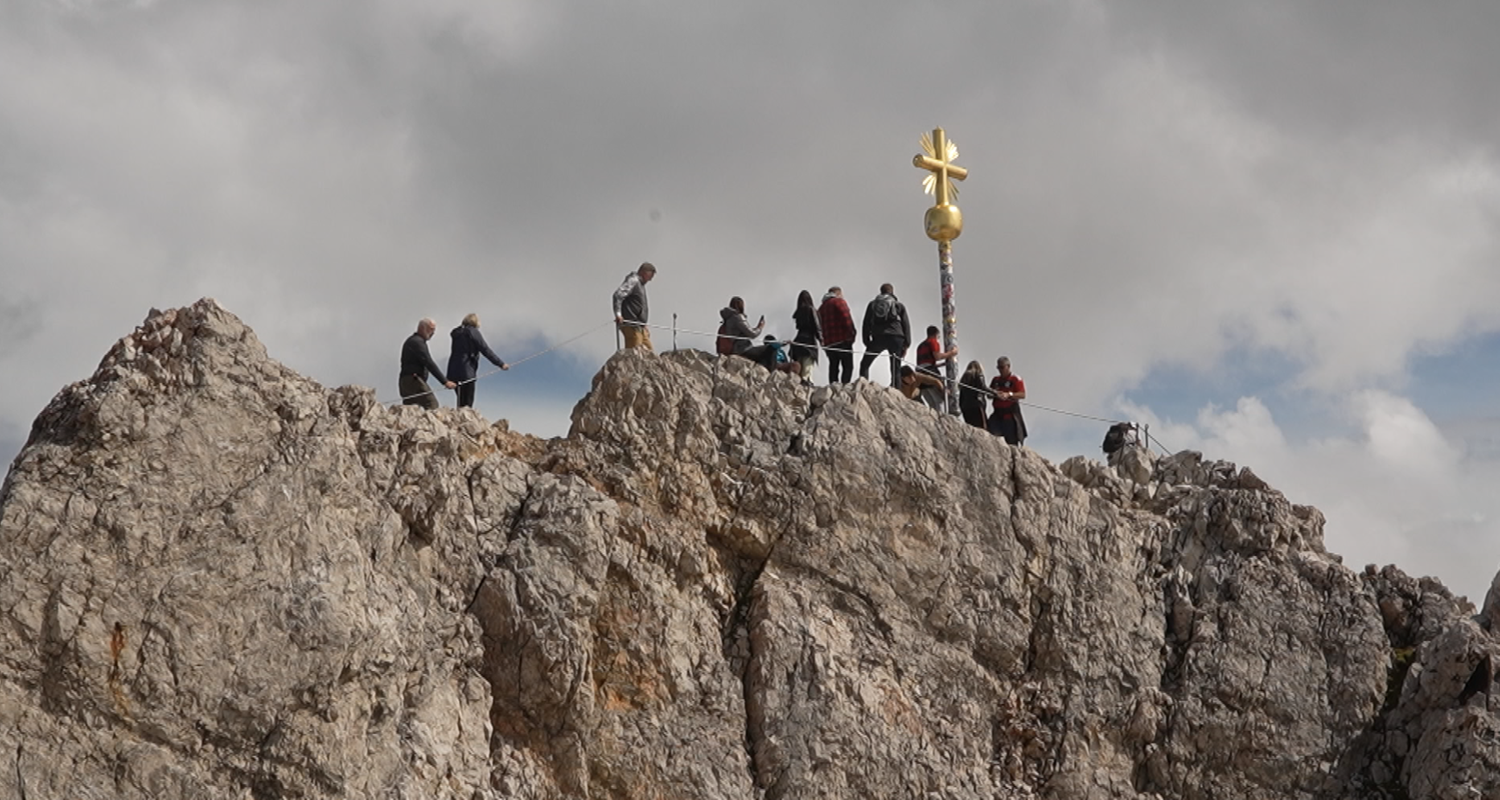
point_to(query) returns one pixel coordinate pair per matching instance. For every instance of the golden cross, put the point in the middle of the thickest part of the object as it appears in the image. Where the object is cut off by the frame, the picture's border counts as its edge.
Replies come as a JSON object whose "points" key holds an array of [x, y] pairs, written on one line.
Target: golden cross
{"points": [[939, 163]]}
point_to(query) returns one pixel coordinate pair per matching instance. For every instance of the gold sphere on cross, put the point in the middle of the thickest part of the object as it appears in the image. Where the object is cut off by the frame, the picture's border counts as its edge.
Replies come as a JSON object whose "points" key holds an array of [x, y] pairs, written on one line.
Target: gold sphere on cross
{"points": [[944, 223]]}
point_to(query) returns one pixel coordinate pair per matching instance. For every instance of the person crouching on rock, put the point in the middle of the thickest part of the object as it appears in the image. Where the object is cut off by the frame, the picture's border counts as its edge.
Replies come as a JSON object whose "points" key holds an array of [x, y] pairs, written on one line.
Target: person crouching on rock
{"points": [[463, 359], [416, 363], [913, 382]]}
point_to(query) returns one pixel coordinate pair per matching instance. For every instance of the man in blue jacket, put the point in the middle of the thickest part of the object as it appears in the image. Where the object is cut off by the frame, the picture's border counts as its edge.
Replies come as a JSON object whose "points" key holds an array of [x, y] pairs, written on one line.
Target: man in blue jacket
{"points": [[463, 359]]}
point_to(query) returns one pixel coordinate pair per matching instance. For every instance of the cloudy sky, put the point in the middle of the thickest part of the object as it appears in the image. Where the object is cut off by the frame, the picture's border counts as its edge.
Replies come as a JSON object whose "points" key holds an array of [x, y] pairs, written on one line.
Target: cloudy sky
{"points": [[1270, 230]]}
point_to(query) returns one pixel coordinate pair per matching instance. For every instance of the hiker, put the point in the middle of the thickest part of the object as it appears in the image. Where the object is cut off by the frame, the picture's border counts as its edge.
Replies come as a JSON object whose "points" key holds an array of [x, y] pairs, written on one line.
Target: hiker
{"points": [[972, 393], [1009, 389], [416, 363], [914, 383], [632, 309], [930, 355], [736, 337], [463, 359], [837, 325], [809, 336], [775, 358], [886, 329]]}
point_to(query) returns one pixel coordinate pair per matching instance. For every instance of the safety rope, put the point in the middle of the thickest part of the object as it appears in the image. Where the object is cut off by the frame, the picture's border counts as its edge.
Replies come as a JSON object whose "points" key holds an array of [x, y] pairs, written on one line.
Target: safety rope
{"points": [[981, 390]]}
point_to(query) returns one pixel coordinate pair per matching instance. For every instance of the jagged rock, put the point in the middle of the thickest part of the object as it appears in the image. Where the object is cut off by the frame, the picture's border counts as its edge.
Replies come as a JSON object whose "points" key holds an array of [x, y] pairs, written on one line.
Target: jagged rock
{"points": [[222, 579]]}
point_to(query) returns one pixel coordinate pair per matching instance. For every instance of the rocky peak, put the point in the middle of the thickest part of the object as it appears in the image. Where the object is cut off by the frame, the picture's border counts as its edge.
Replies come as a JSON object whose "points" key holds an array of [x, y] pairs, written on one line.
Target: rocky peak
{"points": [[222, 579]]}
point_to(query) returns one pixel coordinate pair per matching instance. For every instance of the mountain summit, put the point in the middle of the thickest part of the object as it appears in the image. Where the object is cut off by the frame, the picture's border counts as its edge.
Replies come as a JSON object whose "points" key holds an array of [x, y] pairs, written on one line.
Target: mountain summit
{"points": [[222, 579]]}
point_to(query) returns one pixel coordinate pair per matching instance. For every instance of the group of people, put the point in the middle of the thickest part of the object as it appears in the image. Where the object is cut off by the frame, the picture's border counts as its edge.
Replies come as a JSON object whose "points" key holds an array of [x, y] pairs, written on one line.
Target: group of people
{"points": [[886, 329], [463, 363]]}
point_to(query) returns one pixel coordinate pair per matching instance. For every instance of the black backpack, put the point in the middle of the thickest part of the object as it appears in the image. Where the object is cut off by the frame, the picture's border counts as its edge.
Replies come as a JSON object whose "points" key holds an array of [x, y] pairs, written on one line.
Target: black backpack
{"points": [[1114, 440], [885, 308]]}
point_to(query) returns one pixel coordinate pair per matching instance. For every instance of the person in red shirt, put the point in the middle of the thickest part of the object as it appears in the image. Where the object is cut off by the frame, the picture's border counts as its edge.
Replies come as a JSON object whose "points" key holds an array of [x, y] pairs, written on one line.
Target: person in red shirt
{"points": [[838, 335], [1009, 390], [931, 355]]}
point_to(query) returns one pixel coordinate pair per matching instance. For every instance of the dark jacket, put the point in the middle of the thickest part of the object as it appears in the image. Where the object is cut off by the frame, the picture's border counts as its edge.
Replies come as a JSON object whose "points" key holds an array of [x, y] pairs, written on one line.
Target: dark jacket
{"points": [[468, 346], [897, 329], [736, 326], [416, 360], [972, 393]]}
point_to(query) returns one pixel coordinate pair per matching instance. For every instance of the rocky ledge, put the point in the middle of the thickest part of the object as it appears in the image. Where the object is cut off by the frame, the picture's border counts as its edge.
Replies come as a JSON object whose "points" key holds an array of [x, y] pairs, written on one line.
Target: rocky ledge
{"points": [[221, 579]]}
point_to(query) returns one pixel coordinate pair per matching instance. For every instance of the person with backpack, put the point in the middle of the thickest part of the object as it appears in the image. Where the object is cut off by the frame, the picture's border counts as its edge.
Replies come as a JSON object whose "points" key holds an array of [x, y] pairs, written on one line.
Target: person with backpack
{"points": [[930, 355], [632, 308], [886, 330], [463, 358], [809, 336], [972, 393], [837, 325], [1009, 390]]}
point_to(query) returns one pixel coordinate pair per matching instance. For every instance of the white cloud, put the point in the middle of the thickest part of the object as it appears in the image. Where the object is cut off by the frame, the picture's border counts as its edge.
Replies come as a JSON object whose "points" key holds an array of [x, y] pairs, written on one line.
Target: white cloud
{"points": [[1393, 489]]}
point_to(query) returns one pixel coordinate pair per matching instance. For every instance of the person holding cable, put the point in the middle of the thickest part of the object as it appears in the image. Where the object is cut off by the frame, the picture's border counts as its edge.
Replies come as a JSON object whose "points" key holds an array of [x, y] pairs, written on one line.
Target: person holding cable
{"points": [[463, 359], [416, 363], [632, 309], [1009, 389]]}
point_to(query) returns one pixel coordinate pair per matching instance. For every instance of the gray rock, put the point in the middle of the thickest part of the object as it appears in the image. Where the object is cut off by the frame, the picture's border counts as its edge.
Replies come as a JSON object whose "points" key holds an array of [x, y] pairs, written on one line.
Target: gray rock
{"points": [[222, 579]]}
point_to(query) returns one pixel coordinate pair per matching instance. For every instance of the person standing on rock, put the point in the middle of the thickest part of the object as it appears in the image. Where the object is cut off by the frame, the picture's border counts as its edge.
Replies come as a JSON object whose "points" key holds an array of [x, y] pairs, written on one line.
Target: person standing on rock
{"points": [[886, 329], [971, 394], [632, 311], [416, 363], [463, 359], [838, 335], [809, 336], [1009, 390]]}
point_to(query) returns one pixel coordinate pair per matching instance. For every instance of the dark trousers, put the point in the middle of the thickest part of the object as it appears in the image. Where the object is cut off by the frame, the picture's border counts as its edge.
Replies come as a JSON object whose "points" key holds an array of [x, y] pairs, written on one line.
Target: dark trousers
{"points": [[840, 361], [466, 394], [1011, 427], [883, 344], [415, 392]]}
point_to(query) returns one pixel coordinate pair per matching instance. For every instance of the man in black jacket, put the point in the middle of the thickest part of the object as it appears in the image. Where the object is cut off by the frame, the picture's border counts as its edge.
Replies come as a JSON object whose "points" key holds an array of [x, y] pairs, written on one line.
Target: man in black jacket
{"points": [[416, 363], [887, 329]]}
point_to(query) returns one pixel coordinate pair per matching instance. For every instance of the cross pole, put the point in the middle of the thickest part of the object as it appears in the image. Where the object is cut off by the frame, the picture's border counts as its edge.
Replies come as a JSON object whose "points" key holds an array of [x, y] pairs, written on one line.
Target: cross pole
{"points": [[944, 223]]}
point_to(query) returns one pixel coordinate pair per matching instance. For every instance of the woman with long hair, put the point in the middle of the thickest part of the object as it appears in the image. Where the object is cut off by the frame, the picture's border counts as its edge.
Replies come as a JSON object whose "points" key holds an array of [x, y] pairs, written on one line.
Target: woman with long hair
{"points": [[972, 393], [809, 335]]}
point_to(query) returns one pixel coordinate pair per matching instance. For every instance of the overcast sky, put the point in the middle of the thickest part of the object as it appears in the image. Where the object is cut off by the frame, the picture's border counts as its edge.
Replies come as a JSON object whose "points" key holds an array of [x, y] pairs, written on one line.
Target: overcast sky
{"points": [[1267, 229]]}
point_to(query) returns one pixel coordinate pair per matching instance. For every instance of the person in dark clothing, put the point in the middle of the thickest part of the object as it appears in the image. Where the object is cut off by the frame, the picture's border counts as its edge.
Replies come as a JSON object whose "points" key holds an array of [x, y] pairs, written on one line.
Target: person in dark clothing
{"points": [[463, 359], [837, 326], [416, 363], [972, 394], [1009, 390], [809, 336], [886, 329]]}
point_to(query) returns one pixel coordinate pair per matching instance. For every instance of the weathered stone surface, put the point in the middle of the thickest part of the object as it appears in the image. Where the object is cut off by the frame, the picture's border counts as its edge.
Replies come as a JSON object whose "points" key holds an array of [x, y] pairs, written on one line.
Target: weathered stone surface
{"points": [[221, 579]]}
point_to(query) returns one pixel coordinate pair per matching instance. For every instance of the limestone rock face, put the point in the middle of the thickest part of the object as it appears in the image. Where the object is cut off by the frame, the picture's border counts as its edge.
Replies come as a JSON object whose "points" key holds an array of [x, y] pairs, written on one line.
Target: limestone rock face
{"points": [[221, 579]]}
